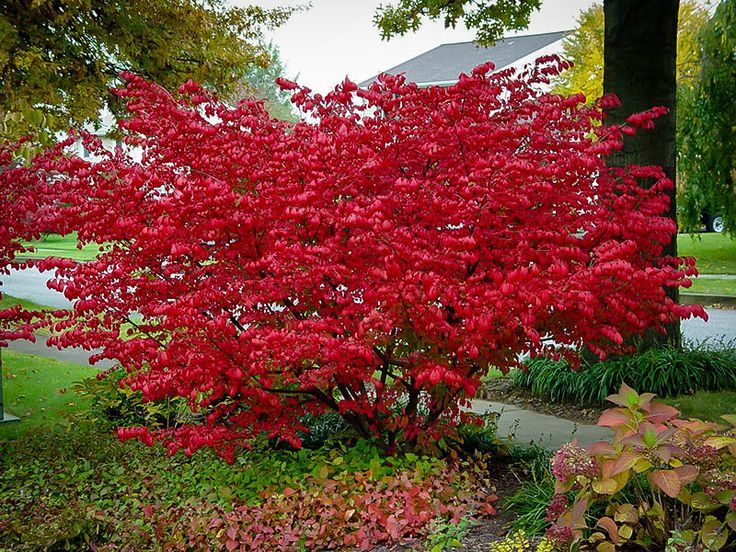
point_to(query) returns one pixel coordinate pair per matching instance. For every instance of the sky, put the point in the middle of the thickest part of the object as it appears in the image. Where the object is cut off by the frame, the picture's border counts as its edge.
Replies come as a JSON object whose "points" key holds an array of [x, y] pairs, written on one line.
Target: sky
{"points": [[336, 38]]}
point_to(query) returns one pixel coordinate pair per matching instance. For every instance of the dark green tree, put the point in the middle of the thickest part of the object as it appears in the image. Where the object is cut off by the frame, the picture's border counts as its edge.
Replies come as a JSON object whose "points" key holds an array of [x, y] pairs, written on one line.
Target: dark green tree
{"points": [[490, 18], [59, 59], [260, 81], [707, 133]]}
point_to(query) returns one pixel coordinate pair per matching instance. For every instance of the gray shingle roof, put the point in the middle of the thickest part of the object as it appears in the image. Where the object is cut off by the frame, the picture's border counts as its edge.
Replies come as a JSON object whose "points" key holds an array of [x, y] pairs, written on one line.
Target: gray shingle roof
{"points": [[444, 63]]}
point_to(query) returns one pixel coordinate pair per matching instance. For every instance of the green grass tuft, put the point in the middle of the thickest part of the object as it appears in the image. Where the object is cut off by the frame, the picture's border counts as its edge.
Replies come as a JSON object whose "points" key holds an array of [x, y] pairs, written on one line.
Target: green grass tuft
{"points": [[529, 502]]}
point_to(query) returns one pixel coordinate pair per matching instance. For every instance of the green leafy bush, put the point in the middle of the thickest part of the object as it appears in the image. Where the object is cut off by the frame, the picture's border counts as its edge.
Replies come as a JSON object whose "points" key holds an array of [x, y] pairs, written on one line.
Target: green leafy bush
{"points": [[323, 428], [448, 534], [121, 405], [482, 437], [666, 372], [659, 474]]}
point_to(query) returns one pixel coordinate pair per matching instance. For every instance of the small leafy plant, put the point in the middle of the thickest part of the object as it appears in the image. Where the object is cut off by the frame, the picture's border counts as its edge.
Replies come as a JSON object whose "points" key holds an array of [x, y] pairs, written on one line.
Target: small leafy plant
{"points": [[448, 535], [123, 406], [663, 481], [519, 542]]}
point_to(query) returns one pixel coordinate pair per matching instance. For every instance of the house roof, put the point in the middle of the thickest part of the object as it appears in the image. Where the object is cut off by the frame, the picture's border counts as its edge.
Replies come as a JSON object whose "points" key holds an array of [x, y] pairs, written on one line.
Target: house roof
{"points": [[444, 63]]}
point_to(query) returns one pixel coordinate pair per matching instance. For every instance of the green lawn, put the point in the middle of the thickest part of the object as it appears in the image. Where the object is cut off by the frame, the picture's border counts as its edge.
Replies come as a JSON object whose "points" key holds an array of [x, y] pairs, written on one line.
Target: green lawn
{"points": [[54, 245], [712, 287], [9, 301], [37, 389], [705, 405], [714, 253]]}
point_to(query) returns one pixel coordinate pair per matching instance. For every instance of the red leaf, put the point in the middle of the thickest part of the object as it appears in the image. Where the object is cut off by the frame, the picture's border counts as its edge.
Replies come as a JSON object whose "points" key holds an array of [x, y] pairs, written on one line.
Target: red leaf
{"points": [[668, 481]]}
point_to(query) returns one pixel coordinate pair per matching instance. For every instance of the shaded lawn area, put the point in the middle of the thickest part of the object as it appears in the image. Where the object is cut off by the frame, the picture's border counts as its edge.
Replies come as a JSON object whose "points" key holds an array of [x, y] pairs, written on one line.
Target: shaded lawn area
{"points": [[714, 253], [37, 390], [705, 405]]}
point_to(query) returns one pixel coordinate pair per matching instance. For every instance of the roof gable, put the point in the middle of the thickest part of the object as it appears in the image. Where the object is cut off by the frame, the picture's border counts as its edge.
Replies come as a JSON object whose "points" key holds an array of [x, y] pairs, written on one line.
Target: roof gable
{"points": [[444, 63]]}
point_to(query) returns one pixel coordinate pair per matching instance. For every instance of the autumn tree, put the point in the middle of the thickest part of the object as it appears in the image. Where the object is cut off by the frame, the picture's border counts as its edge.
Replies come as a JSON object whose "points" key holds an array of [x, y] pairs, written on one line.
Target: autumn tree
{"points": [[707, 135], [584, 47], [373, 259], [58, 60]]}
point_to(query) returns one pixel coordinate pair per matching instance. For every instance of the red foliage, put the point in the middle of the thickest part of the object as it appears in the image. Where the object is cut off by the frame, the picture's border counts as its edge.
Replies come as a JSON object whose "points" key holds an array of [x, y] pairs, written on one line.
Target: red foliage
{"points": [[19, 207], [352, 512], [375, 259]]}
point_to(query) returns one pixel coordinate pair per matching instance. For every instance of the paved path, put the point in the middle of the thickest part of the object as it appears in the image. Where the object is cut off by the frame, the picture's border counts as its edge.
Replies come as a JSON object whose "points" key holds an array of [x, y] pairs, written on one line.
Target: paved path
{"points": [[30, 284], [76, 355], [717, 276], [527, 427], [720, 329]]}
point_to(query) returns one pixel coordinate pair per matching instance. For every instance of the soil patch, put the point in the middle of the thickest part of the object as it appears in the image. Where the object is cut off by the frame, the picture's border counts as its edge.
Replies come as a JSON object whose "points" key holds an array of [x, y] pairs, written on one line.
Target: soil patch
{"points": [[503, 390]]}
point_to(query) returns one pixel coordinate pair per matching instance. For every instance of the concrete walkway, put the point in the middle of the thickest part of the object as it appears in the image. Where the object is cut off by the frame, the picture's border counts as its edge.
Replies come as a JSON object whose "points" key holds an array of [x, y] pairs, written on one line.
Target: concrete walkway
{"points": [[72, 354], [717, 276], [527, 427]]}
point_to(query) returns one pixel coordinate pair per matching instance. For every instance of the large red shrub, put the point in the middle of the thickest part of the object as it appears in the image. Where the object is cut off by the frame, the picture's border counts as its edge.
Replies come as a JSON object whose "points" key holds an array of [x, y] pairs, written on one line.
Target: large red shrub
{"points": [[375, 259]]}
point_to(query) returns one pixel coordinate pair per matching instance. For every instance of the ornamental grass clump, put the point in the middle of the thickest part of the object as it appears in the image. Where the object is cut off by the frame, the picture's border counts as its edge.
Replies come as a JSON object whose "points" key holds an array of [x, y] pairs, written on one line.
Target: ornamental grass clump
{"points": [[667, 372], [372, 260]]}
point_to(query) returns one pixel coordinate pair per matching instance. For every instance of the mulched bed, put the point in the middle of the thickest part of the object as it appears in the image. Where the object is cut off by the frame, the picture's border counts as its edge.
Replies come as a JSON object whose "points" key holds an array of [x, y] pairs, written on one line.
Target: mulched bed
{"points": [[503, 390]]}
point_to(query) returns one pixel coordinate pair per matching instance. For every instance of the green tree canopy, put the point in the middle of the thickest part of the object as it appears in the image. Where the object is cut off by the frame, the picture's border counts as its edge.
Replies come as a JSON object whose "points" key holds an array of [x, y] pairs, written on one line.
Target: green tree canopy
{"points": [[58, 59], [584, 47], [260, 81], [489, 18], [707, 135]]}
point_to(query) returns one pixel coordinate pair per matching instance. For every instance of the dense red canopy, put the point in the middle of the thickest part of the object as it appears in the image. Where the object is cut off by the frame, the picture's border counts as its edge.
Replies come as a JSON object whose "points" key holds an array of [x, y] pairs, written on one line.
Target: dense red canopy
{"points": [[375, 259]]}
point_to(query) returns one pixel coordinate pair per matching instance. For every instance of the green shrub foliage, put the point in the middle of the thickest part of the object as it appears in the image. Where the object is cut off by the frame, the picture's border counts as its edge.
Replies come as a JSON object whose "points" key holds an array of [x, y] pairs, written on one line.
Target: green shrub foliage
{"points": [[76, 487]]}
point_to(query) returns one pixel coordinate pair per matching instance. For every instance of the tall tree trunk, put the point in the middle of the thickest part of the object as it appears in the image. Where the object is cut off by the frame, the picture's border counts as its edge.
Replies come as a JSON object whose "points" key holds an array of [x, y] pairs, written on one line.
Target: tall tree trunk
{"points": [[640, 56]]}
